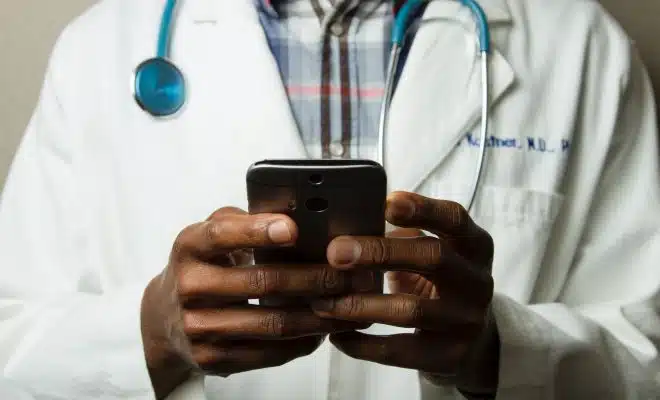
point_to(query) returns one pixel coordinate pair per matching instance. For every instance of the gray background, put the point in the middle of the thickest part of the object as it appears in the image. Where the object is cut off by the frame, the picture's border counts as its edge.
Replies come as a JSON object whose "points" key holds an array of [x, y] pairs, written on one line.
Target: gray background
{"points": [[28, 29]]}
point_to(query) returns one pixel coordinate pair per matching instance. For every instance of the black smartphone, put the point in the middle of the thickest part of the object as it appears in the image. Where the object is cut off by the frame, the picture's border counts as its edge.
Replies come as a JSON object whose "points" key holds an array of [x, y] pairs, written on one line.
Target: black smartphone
{"points": [[325, 198]]}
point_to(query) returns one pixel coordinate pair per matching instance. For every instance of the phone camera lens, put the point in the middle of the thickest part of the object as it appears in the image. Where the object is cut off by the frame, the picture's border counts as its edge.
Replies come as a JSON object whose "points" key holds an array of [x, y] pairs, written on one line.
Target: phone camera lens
{"points": [[316, 179], [317, 204]]}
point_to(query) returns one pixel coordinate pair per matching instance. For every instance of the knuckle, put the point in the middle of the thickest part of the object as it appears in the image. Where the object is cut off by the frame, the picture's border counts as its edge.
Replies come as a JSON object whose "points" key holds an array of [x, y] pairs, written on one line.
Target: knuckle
{"points": [[350, 305], [431, 252], [187, 283], [216, 230], [184, 242], [377, 250], [273, 324], [408, 311], [190, 324], [330, 280], [224, 211], [382, 251], [436, 252], [213, 359], [458, 215], [452, 215], [205, 361], [264, 282], [256, 229], [257, 281]]}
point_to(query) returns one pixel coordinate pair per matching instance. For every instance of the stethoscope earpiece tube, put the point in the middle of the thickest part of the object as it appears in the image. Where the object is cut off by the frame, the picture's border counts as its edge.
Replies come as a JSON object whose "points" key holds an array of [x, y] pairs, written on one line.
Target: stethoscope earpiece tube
{"points": [[402, 21], [165, 31], [482, 24], [399, 31]]}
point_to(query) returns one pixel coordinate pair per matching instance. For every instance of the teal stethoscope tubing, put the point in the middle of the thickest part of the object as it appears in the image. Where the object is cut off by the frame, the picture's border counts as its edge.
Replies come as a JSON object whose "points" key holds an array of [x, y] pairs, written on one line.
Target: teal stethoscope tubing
{"points": [[160, 89], [159, 86], [165, 31], [399, 32]]}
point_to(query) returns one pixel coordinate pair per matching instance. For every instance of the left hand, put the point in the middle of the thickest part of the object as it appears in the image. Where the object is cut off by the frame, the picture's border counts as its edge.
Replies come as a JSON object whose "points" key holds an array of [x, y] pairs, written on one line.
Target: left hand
{"points": [[441, 286]]}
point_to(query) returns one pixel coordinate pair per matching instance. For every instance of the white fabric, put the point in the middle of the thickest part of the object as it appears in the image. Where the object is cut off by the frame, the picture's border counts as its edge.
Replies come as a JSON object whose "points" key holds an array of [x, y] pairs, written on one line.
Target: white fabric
{"points": [[9, 390], [99, 190]]}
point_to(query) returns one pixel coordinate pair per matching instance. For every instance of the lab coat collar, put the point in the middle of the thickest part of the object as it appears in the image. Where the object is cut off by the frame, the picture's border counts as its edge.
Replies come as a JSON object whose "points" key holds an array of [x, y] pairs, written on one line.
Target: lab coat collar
{"points": [[497, 11]]}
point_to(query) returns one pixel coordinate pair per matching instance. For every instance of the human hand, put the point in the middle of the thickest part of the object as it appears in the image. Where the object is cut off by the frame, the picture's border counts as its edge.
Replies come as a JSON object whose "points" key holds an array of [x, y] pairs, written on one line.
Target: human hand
{"points": [[196, 317], [440, 286]]}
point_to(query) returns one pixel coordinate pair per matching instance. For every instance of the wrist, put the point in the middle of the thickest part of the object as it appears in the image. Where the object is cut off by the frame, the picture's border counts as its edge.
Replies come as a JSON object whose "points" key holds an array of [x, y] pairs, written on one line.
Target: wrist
{"points": [[167, 369], [479, 376], [166, 377]]}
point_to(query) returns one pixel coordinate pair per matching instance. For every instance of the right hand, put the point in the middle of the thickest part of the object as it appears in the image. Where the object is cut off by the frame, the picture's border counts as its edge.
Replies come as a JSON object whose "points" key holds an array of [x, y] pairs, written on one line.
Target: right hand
{"points": [[195, 315]]}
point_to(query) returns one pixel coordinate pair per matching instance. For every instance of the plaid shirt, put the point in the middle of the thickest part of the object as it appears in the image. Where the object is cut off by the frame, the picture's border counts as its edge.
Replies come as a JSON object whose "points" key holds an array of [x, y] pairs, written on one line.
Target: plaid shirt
{"points": [[332, 56]]}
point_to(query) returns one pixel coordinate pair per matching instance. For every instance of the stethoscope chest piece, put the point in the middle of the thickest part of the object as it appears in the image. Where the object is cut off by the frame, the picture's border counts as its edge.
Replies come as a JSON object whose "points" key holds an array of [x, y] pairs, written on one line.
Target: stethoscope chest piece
{"points": [[159, 87]]}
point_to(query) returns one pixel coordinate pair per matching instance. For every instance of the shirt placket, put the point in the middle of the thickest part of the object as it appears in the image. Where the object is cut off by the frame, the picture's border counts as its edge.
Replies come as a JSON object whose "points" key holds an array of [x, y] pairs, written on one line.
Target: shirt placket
{"points": [[336, 90]]}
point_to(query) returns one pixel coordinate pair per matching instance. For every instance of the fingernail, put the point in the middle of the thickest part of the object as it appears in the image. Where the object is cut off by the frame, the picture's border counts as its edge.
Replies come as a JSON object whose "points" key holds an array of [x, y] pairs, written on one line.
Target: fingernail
{"points": [[401, 208], [279, 232], [323, 305], [346, 252]]}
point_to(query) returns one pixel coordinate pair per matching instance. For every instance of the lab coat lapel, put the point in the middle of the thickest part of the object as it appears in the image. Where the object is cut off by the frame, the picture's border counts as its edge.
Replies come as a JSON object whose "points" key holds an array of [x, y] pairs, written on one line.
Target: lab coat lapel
{"points": [[438, 99], [237, 76], [237, 110]]}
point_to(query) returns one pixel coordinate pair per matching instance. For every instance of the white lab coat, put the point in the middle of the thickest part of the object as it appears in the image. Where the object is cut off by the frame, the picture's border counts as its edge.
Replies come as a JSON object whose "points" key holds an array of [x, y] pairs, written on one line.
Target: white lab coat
{"points": [[99, 190]]}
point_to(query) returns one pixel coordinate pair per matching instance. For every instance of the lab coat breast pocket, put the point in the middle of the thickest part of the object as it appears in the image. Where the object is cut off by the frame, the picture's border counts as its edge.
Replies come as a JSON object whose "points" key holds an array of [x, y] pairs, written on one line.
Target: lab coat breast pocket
{"points": [[520, 220]]}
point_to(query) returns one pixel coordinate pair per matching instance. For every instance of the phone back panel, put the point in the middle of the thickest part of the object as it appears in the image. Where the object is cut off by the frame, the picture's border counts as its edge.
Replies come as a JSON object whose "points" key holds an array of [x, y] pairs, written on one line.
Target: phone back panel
{"points": [[326, 199]]}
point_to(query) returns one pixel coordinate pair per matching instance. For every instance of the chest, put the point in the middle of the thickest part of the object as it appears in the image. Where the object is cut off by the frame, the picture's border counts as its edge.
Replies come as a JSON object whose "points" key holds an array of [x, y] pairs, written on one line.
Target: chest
{"points": [[146, 179]]}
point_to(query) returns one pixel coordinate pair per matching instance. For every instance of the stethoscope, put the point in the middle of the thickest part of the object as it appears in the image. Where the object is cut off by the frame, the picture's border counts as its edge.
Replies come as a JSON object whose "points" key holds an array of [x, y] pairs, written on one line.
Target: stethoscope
{"points": [[160, 87]]}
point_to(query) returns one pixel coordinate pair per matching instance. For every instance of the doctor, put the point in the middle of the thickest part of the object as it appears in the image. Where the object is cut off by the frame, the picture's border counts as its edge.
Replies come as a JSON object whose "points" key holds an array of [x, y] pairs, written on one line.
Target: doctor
{"points": [[116, 282]]}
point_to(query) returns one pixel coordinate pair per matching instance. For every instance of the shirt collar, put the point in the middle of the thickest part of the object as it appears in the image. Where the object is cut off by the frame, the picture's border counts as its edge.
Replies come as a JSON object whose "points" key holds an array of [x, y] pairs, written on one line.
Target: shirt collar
{"points": [[270, 6]]}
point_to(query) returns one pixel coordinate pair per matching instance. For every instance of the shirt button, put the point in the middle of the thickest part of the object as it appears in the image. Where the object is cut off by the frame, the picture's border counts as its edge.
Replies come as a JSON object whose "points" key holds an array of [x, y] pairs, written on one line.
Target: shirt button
{"points": [[337, 149], [337, 29]]}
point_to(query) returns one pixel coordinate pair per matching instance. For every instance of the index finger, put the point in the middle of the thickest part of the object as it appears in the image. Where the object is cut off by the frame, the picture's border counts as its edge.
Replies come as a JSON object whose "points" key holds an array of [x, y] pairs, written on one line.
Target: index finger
{"points": [[229, 231], [411, 210], [447, 219]]}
